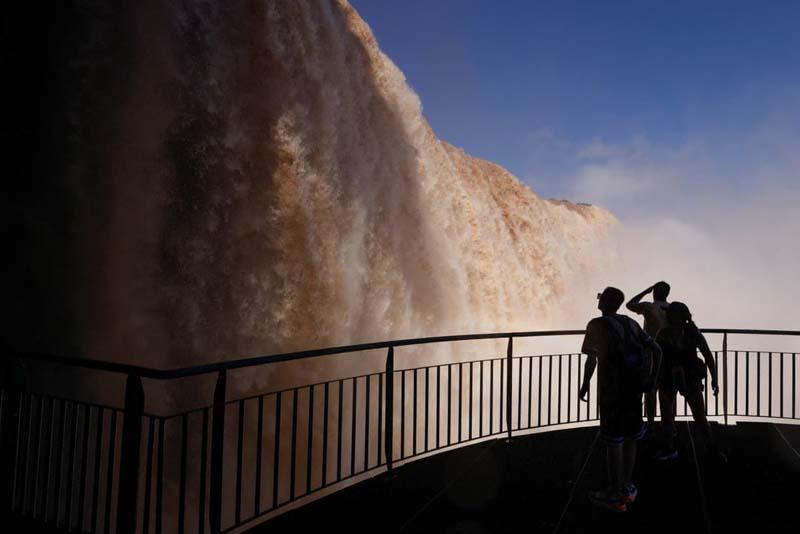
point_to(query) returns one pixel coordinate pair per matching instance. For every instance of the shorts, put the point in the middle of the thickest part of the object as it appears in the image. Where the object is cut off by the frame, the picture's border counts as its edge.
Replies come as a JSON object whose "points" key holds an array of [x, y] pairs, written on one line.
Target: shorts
{"points": [[622, 422], [676, 379]]}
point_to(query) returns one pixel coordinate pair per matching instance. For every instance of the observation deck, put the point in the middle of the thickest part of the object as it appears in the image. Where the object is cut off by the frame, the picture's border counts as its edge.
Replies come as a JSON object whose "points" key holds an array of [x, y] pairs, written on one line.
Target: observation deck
{"points": [[473, 433]]}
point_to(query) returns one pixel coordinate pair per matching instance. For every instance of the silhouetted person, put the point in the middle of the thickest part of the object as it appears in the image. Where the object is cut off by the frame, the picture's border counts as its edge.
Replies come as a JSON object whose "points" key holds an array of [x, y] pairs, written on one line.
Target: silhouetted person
{"points": [[655, 318], [682, 371], [619, 398]]}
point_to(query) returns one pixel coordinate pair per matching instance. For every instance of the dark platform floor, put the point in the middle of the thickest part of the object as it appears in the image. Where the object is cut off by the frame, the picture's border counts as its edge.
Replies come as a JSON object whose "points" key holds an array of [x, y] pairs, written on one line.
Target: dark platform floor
{"points": [[536, 484]]}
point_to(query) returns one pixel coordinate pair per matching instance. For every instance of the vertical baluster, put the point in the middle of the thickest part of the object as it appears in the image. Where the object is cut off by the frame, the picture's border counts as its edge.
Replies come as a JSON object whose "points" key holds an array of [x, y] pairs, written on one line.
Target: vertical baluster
{"points": [[389, 441], [182, 487], [217, 442], [259, 455], [83, 466], [277, 452], [129, 456], [353, 427], [519, 395], [325, 436], [203, 474], [747, 382], [160, 478], [480, 402], [769, 391], [539, 393], [239, 454], [449, 401], [725, 376], [530, 390], [510, 383], [148, 475], [43, 442], [72, 446], [381, 428], [414, 419], [549, 388], [438, 406], [491, 396], [560, 358], [366, 422], [402, 414], [736, 382], [339, 433], [427, 381], [469, 400], [579, 383], [293, 465], [59, 463], [310, 447], [569, 388], [29, 493], [97, 456], [112, 448], [782, 354], [758, 383]]}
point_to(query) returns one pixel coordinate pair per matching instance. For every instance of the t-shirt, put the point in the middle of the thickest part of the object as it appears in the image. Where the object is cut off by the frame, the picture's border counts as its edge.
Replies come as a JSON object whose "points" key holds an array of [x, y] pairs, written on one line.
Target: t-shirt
{"points": [[598, 341], [655, 315]]}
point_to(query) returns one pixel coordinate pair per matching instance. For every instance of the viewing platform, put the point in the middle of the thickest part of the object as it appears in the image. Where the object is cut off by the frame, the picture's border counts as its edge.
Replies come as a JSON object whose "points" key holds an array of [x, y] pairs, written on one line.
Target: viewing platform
{"points": [[395, 437]]}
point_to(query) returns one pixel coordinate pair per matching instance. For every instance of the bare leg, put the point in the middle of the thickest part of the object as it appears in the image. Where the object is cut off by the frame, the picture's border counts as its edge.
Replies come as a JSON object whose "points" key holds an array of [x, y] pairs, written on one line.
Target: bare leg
{"points": [[629, 454], [616, 468], [667, 400], [697, 405]]}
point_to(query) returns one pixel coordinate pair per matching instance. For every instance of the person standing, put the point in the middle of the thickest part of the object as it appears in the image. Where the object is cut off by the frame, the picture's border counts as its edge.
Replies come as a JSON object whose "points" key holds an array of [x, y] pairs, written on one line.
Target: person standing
{"points": [[655, 318], [683, 372], [619, 397]]}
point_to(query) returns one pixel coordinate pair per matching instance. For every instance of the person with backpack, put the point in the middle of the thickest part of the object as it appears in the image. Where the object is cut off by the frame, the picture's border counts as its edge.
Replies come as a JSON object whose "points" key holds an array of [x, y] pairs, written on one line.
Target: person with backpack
{"points": [[615, 345], [682, 371], [655, 318]]}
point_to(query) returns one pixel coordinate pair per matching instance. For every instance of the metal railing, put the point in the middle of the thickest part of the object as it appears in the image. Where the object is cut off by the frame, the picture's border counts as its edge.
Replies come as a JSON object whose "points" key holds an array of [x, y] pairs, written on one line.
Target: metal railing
{"points": [[91, 467]]}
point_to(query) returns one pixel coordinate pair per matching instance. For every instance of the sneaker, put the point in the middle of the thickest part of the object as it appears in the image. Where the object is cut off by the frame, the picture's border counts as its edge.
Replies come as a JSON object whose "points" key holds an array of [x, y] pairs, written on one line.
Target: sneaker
{"points": [[629, 493], [666, 454], [607, 500]]}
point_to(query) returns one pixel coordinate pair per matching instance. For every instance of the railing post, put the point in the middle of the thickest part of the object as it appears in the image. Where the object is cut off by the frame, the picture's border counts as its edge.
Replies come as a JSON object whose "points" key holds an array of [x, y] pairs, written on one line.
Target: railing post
{"points": [[509, 375], [725, 376], [389, 432], [129, 455], [217, 440]]}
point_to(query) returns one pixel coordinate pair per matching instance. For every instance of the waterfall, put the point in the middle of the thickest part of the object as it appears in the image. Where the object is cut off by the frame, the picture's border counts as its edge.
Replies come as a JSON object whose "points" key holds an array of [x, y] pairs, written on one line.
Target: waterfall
{"points": [[246, 178]]}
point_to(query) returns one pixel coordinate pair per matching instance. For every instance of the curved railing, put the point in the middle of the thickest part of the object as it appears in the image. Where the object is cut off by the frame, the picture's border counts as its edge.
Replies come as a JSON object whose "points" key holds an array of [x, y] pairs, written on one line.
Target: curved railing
{"points": [[117, 465]]}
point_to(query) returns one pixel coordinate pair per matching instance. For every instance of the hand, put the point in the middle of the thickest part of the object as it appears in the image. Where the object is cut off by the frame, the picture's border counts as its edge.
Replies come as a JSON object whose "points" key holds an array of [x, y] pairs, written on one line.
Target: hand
{"points": [[583, 394], [714, 387]]}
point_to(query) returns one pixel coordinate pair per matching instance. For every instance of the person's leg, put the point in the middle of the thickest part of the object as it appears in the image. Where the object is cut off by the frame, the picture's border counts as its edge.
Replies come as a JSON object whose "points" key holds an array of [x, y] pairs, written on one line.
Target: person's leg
{"points": [[629, 461], [666, 397], [616, 467], [694, 399]]}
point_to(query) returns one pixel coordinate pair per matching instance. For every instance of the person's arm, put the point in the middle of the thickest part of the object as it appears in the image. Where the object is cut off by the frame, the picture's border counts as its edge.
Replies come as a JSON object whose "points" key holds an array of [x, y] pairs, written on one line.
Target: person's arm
{"points": [[635, 305], [592, 343], [702, 344], [588, 371]]}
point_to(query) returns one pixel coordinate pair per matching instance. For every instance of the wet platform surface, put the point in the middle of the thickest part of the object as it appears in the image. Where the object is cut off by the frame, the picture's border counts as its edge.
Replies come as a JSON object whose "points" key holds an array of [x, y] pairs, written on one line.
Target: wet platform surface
{"points": [[539, 483]]}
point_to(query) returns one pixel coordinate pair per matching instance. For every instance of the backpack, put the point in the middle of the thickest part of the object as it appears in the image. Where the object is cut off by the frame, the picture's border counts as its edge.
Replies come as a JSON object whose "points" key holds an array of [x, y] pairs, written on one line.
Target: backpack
{"points": [[636, 365]]}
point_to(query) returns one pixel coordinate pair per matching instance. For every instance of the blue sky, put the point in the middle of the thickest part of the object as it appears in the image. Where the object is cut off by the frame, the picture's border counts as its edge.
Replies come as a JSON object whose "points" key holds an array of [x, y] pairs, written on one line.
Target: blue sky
{"points": [[561, 92]]}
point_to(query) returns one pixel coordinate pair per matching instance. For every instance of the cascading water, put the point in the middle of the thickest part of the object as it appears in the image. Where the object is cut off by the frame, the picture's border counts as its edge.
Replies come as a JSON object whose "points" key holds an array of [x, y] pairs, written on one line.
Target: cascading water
{"points": [[247, 178]]}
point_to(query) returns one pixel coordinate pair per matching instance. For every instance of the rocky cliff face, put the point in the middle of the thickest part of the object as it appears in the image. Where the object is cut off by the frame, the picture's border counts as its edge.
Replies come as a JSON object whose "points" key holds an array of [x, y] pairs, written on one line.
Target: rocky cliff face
{"points": [[239, 177]]}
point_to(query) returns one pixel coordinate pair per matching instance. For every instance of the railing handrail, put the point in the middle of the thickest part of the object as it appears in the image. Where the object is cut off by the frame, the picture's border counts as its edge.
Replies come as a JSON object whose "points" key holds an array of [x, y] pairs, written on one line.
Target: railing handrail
{"points": [[182, 372]]}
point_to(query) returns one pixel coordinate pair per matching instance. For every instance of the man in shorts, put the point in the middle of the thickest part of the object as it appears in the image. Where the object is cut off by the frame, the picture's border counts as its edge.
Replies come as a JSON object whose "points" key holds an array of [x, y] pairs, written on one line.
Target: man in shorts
{"points": [[655, 318], [619, 400]]}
